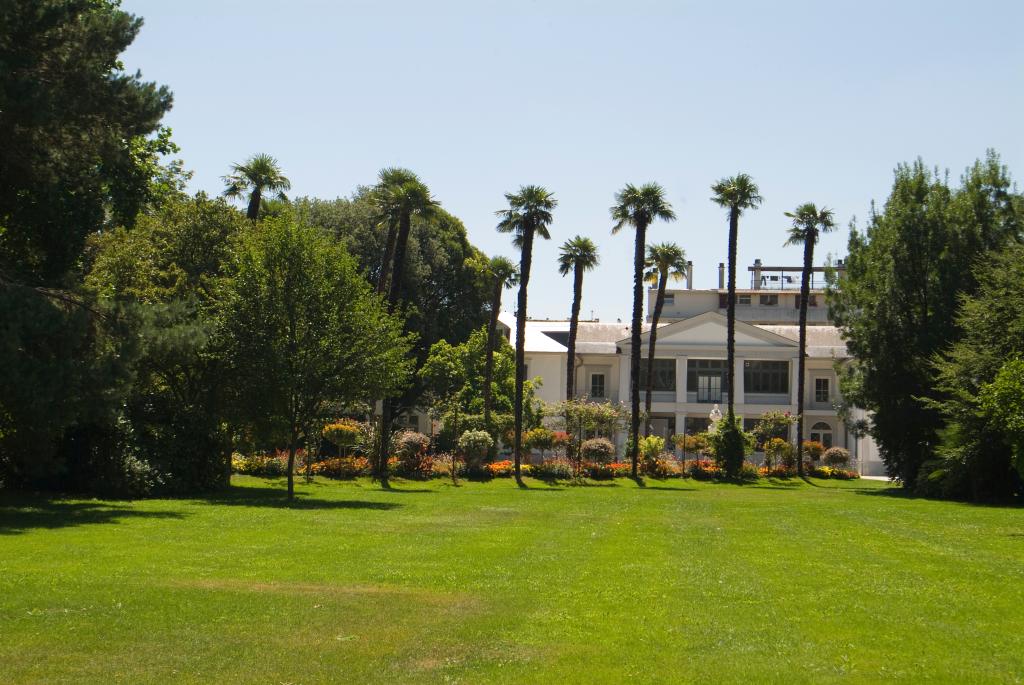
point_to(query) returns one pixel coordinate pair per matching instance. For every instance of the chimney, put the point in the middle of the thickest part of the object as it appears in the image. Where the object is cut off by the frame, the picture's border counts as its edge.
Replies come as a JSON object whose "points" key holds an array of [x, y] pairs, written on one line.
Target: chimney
{"points": [[721, 275], [689, 275], [757, 274]]}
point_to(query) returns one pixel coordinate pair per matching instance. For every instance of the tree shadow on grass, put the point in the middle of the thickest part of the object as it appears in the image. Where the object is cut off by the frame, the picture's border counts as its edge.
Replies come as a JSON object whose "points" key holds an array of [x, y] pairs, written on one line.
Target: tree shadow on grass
{"points": [[257, 496], [19, 514], [899, 493], [665, 488]]}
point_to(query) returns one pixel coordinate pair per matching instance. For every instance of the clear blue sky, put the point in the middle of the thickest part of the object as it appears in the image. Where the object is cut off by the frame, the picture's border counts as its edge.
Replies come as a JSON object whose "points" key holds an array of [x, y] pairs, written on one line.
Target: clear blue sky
{"points": [[818, 101]]}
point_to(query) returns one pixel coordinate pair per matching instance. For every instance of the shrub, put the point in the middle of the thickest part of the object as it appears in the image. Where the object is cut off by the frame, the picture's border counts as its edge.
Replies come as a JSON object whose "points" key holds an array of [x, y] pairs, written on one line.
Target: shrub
{"points": [[343, 434], [749, 472], [696, 444], [501, 469], [813, 449], [836, 456], [779, 453], [730, 444], [778, 471], [552, 469], [264, 465], [616, 469], [342, 468], [834, 473], [539, 438], [703, 469], [475, 445], [560, 440], [600, 450], [411, 449], [651, 446], [662, 466]]}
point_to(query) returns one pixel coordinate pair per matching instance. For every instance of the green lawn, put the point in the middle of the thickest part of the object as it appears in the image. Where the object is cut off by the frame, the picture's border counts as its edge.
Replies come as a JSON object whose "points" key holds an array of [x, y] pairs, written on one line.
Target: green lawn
{"points": [[678, 581]]}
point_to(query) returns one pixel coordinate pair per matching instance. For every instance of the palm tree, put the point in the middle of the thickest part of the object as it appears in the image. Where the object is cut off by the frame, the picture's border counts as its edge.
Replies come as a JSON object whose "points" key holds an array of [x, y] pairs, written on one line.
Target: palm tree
{"points": [[398, 195], [528, 214], [664, 261], [503, 274], [577, 256], [736, 194], [638, 207], [259, 176], [808, 223]]}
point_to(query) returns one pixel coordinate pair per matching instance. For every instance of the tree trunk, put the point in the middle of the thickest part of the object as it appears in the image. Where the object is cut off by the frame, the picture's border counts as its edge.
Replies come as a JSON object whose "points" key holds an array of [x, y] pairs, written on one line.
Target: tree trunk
{"points": [[634, 359], [805, 289], [252, 212], [397, 271], [658, 303], [734, 229], [524, 280], [291, 464], [492, 328], [574, 322], [389, 255]]}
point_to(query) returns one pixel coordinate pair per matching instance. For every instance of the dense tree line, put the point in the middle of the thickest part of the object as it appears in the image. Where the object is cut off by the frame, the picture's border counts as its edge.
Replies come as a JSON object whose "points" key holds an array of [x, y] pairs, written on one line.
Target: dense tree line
{"points": [[909, 273]]}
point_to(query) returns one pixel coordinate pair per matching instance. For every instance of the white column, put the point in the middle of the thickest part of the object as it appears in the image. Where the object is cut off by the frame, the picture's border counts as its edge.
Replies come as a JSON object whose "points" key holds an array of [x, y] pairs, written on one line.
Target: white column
{"points": [[680, 380], [624, 378], [794, 372], [738, 400]]}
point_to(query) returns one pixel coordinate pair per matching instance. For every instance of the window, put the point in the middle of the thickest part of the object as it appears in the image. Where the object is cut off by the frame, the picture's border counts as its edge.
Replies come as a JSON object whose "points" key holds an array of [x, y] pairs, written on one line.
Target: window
{"points": [[741, 300], [670, 299], [821, 390], [696, 424], [597, 385], [769, 300], [812, 301], [822, 432], [410, 421], [706, 377], [664, 375], [766, 377]]}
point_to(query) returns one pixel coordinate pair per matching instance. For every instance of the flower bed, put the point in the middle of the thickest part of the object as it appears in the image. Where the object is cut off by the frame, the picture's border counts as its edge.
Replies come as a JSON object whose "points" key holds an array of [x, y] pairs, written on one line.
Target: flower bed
{"points": [[341, 468], [833, 473]]}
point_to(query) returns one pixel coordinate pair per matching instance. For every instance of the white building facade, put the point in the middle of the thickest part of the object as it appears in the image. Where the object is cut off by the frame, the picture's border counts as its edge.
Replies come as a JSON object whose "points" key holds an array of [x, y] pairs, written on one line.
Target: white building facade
{"points": [[690, 362]]}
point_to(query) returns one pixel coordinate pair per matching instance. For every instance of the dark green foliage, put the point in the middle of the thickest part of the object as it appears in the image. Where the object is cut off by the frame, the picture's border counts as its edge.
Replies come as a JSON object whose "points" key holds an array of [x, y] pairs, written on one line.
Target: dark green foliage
{"points": [[303, 334], [974, 377], [66, 370], [72, 130], [730, 444], [165, 274], [438, 274], [897, 303], [452, 380]]}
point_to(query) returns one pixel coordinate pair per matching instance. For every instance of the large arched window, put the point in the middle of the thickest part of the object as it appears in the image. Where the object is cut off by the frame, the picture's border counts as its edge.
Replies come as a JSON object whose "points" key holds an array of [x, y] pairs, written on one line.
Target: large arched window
{"points": [[822, 432]]}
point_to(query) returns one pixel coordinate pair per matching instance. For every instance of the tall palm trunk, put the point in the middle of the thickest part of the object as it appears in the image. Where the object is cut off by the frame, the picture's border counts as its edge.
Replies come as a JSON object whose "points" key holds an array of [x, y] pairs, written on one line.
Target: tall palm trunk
{"points": [[492, 327], [389, 255], [734, 229], [659, 302], [634, 359], [252, 212], [524, 280], [805, 291], [574, 323], [397, 271]]}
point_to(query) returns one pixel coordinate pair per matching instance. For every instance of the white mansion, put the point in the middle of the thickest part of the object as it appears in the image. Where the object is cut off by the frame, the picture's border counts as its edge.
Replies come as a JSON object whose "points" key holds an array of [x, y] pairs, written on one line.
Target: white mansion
{"points": [[690, 361]]}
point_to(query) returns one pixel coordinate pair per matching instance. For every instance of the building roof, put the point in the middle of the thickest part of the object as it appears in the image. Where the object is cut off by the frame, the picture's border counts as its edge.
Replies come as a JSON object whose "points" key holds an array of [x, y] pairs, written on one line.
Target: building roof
{"points": [[594, 337], [822, 341]]}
